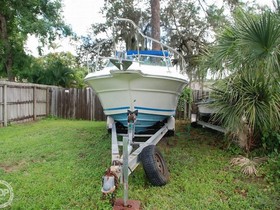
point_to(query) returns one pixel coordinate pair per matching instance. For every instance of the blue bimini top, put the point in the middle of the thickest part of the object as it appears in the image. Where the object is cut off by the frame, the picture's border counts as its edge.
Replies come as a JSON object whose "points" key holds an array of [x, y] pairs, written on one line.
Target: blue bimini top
{"points": [[148, 52]]}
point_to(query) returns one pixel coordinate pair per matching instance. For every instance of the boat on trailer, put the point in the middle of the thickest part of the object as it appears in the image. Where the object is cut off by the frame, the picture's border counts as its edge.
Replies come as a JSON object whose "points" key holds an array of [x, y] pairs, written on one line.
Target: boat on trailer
{"points": [[139, 91], [143, 80]]}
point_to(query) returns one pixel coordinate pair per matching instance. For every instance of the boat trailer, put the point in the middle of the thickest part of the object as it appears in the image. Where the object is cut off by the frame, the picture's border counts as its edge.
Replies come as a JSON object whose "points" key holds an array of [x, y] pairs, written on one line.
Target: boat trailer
{"points": [[134, 152]]}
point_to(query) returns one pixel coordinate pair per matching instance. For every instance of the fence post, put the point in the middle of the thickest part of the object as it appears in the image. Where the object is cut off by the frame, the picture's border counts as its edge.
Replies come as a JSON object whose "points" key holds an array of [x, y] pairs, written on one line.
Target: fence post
{"points": [[34, 102], [93, 104], [53, 103], [47, 101], [90, 103], [5, 108]]}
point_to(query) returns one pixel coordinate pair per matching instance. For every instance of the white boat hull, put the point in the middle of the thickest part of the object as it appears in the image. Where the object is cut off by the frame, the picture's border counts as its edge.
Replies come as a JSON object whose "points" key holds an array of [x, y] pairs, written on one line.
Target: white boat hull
{"points": [[154, 96]]}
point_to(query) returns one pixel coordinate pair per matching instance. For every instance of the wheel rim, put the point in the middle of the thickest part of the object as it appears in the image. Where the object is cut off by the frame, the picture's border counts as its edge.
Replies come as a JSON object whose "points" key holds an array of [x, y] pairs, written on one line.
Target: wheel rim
{"points": [[159, 163]]}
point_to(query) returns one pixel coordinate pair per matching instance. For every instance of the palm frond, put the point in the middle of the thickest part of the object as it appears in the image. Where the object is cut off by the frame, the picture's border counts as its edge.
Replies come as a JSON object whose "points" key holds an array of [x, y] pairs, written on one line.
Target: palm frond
{"points": [[258, 39], [248, 166], [250, 43]]}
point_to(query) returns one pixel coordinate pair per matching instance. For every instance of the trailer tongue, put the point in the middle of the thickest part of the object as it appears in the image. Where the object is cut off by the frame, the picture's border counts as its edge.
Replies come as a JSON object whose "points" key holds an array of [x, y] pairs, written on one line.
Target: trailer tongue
{"points": [[134, 152]]}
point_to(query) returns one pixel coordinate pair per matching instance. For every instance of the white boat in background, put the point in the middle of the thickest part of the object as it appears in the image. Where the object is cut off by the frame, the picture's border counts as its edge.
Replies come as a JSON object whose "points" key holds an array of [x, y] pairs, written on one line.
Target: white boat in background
{"points": [[205, 107], [143, 80]]}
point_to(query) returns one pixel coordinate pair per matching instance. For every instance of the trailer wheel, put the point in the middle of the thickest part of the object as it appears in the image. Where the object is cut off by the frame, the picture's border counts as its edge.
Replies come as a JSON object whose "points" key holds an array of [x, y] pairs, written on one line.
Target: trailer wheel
{"points": [[170, 133], [154, 166]]}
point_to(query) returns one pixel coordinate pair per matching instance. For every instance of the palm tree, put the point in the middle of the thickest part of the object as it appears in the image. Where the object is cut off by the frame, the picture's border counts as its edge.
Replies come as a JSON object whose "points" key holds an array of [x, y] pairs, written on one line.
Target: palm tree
{"points": [[248, 100]]}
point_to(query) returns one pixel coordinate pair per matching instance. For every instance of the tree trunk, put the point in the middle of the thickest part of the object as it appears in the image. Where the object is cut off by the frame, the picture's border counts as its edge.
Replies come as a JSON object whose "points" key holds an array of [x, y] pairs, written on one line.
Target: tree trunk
{"points": [[155, 9], [7, 47]]}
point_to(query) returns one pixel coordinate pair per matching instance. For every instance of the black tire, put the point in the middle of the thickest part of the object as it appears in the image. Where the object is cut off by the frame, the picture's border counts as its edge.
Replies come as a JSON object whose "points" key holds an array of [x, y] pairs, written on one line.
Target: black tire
{"points": [[170, 133], [154, 166], [109, 130], [194, 125]]}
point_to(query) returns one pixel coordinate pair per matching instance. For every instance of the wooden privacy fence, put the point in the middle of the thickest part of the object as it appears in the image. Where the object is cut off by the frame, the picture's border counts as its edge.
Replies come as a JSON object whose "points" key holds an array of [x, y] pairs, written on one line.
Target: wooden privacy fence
{"points": [[74, 103], [21, 102], [17, 102], [200, 94]]}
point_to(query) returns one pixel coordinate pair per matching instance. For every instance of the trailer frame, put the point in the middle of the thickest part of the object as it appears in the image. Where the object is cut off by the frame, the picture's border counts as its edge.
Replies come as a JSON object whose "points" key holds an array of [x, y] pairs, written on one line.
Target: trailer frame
{"points": [[124, 164]]}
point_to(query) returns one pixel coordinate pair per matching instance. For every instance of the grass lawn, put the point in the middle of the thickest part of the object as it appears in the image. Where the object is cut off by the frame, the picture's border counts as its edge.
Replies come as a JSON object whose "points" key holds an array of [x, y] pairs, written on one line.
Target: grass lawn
{"points": [[58, 164]]}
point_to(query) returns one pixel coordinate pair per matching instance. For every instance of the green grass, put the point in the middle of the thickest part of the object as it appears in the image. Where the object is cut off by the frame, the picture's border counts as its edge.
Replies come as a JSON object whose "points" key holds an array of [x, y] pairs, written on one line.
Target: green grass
{"points": [[58, 164]]}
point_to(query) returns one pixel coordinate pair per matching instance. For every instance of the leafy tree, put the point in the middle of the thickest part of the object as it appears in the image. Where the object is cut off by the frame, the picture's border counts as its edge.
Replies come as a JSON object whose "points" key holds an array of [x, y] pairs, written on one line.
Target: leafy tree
{"points": [[188, 28], [184, 26], [113, 9], [60, 69], [19, 18]]}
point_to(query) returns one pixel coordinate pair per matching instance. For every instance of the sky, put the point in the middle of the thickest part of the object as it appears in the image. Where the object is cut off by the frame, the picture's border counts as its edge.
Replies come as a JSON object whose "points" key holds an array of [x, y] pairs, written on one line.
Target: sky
{"points": [[80, 14]]}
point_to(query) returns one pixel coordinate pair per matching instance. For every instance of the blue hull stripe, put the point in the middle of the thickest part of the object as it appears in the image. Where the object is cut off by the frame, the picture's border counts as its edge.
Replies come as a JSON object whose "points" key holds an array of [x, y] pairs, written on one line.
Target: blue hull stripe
{"points": [[140, 108], [143, 120], [117, 108], [153, 109]]}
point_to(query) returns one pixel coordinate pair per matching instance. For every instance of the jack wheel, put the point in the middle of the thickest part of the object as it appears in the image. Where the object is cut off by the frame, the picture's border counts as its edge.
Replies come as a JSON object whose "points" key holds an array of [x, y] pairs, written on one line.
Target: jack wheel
{"points": [[154, 166]]}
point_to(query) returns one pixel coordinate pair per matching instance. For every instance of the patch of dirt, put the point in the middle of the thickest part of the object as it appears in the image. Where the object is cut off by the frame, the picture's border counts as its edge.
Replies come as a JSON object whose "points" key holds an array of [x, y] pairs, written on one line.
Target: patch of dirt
{"points": [[8, 168], [223, 196], [241, 192], [82, 155], [16, 166]]}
